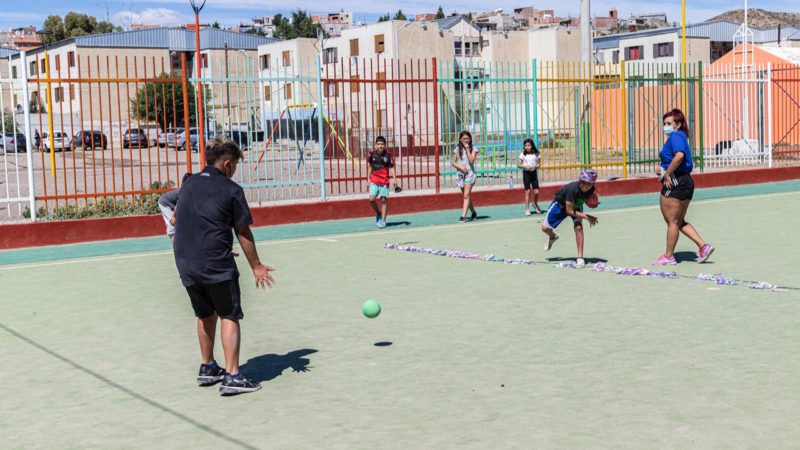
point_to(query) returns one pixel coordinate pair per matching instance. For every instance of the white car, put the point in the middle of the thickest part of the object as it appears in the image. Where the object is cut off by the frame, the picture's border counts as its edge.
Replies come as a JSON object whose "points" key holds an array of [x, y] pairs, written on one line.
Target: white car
{"points": [[61, 141]]}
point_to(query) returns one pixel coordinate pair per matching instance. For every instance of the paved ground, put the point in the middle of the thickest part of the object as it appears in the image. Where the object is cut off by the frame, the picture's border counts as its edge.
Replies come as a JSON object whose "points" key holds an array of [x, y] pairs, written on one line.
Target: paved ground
{"points": [[466, 354]]}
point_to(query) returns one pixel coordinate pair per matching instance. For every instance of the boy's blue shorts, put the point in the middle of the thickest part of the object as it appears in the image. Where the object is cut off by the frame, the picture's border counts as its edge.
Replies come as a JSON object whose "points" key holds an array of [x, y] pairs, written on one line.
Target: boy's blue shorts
{"points": [[555, 215], [378, 190]]}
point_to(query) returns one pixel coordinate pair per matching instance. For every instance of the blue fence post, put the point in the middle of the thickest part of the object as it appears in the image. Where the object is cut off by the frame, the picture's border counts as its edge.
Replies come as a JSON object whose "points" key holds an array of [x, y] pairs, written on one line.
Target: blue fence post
{"points": [[320, 131]]}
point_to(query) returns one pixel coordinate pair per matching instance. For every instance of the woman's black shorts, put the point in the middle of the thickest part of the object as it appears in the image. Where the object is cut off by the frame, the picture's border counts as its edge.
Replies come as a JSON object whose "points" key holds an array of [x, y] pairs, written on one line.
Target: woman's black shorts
{"points": [[682, 187], [530, 179]]}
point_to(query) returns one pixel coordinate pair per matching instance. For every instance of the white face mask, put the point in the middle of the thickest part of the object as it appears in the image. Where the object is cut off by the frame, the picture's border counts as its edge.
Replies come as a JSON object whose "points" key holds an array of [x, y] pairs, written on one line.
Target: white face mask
{"points": [[668, 129]]}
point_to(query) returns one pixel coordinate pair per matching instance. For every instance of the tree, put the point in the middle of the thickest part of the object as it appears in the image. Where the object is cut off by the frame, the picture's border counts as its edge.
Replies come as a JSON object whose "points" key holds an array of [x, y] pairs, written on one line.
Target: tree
{"points": [[469, 17], [8, 121], [399, 15], [154, 103], [299, 26], [55, 25], [74, 24], [385, 18], [215, 25], [440, 13]]}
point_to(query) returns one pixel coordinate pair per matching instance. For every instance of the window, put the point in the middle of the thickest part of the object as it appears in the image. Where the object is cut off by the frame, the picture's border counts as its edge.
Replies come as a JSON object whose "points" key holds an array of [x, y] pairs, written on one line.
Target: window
{"points": [[14, 72], [330, 55], [353, 47], [615, 56], [331, 89], [58, 63], [457, 46], [286, 58], [380, 115], [381, 76], [204, 60], [287, 91], [634, 53], [663, 50], [59, 92], [379, 43], [265, 60], [267, 93], [355, 86], [72, 92], [70, 59], [33, 68]]}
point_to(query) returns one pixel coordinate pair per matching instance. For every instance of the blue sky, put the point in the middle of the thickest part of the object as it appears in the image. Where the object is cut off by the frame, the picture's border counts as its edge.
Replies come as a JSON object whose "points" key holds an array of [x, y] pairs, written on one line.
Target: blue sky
{"points": [[14, 13]]}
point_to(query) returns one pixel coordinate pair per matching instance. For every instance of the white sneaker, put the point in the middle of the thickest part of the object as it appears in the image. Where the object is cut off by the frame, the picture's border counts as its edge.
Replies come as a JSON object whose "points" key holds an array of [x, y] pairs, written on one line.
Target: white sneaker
{"points": [[527, 212], [580, 263], [550, 242]]}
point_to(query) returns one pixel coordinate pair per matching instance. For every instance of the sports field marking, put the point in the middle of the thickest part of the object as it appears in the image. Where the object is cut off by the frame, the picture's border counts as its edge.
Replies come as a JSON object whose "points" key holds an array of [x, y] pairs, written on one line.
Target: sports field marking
{"points": [[390, 232], [327, 240]]}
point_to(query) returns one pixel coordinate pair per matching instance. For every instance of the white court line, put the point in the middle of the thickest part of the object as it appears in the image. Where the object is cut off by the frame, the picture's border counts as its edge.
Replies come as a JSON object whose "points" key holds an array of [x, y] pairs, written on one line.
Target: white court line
{"points": [[332, 238]]}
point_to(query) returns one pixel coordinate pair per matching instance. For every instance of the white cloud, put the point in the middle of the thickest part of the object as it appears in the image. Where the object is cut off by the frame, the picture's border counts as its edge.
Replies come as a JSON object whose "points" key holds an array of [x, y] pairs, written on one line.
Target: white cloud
{"points": [[152, 16]]}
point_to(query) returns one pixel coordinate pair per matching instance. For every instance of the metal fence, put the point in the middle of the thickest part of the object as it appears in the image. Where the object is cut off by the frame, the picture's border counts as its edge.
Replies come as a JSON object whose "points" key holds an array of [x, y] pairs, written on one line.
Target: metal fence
{"points": [[107, 136]]}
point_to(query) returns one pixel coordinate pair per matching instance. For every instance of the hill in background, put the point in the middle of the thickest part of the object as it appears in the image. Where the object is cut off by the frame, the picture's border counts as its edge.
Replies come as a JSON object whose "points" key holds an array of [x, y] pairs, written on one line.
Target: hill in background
{"points": [[759, 18]]}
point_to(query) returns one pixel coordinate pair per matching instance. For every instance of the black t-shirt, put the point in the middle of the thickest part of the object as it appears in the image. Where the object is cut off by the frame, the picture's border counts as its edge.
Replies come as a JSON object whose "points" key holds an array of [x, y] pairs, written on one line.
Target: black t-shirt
{"points": [[570, 193], [379, 161], [212, 205]]}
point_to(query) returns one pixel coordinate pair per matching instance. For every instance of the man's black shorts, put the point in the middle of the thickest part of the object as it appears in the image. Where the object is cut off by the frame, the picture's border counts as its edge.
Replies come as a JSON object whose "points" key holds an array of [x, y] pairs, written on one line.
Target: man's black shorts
{"points": [[530, 179], [682, 187], [221, 298]]}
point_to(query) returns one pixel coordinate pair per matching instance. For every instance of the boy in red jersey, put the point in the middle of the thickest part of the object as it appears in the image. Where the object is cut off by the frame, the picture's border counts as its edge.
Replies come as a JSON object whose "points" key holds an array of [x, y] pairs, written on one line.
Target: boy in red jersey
{"points": [[380, 168]]}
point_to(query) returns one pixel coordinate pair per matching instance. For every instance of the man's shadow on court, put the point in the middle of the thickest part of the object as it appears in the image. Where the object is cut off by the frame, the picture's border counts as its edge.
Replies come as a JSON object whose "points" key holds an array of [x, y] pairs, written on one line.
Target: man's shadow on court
{"points": [[268, 367], [588, 260]]}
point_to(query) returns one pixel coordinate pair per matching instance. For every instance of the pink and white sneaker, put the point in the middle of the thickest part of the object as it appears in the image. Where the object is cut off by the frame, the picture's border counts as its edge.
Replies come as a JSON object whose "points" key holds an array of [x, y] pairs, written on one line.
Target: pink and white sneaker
{"points": [[665, 260], [705, 252]]}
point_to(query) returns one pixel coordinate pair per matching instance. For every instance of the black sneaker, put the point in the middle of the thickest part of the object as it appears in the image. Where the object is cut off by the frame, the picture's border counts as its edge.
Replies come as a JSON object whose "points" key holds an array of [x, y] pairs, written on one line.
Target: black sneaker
{"points": [[462, 219], [237, 385], [474, 216], [210, 374]]}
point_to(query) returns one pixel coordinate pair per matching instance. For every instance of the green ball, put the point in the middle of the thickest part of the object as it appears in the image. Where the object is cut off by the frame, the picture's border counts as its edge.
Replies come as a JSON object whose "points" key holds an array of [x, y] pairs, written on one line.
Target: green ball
{"points": [[371, 308]]}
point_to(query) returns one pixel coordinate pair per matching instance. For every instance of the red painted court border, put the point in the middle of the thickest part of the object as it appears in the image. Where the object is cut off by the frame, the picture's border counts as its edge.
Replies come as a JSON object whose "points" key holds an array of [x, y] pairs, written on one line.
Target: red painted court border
{"points": [[38, 234]]}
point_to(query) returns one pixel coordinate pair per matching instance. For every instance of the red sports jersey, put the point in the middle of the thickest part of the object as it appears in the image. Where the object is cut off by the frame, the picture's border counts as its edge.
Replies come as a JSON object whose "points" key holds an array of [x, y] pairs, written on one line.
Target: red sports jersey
{"points": [[380, 164]]}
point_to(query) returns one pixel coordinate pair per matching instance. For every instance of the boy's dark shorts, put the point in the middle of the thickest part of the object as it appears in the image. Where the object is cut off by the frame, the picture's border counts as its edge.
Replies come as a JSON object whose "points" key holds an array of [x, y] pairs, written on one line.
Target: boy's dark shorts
{"points": [[223, 298]]}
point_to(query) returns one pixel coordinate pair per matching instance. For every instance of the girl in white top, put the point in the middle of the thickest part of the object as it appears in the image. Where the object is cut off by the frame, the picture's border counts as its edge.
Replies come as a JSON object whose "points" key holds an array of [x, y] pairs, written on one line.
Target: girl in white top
{"points": [[529, 161], [464, 156]]}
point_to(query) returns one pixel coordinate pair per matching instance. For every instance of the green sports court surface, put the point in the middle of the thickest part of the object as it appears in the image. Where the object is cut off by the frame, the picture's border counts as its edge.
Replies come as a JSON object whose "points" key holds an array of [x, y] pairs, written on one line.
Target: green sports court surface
{"points": [[99, 346]]}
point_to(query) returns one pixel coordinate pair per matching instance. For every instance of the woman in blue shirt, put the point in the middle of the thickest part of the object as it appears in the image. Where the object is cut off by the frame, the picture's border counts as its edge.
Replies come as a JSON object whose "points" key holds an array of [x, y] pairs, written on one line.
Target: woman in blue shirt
{"points": [[677, 188]]}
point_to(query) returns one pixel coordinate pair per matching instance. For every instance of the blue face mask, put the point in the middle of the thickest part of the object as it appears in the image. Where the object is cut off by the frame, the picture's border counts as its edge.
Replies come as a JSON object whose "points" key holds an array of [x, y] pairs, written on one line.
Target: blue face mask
{"points": [[668, 130]]}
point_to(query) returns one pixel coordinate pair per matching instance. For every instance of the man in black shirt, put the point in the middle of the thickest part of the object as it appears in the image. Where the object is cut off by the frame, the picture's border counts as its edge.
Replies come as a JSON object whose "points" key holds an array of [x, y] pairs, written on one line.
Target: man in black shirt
{"points": [[568, 202], [212, 205]]}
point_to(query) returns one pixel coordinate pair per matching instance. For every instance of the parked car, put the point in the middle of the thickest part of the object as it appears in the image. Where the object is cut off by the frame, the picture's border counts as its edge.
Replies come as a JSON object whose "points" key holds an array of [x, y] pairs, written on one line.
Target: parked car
{"points": [[193, 140], [61, 141], [90, 140], [167, 139], [135, 137], [11, 142]]}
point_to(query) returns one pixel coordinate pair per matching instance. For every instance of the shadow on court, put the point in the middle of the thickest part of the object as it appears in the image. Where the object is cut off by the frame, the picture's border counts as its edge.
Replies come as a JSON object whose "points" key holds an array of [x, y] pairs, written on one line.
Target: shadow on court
{"points": [[403, 223], [232, 440], [268, 367], [588, 260], [685, 257]]}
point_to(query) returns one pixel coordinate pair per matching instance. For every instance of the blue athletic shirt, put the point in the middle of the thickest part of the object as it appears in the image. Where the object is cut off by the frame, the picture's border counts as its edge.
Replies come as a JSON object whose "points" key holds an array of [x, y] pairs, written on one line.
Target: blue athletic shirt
{"points": [[676, 143]]}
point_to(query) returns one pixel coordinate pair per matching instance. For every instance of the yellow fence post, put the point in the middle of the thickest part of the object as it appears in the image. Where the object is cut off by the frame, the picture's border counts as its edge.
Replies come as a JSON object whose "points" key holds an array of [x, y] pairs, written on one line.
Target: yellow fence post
{"points": [[624, 97], [49, 99]]}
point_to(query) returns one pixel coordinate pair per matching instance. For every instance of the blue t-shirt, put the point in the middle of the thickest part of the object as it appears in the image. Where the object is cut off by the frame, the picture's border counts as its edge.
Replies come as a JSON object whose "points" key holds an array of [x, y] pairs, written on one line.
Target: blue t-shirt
{"points": [[677, 143]]}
